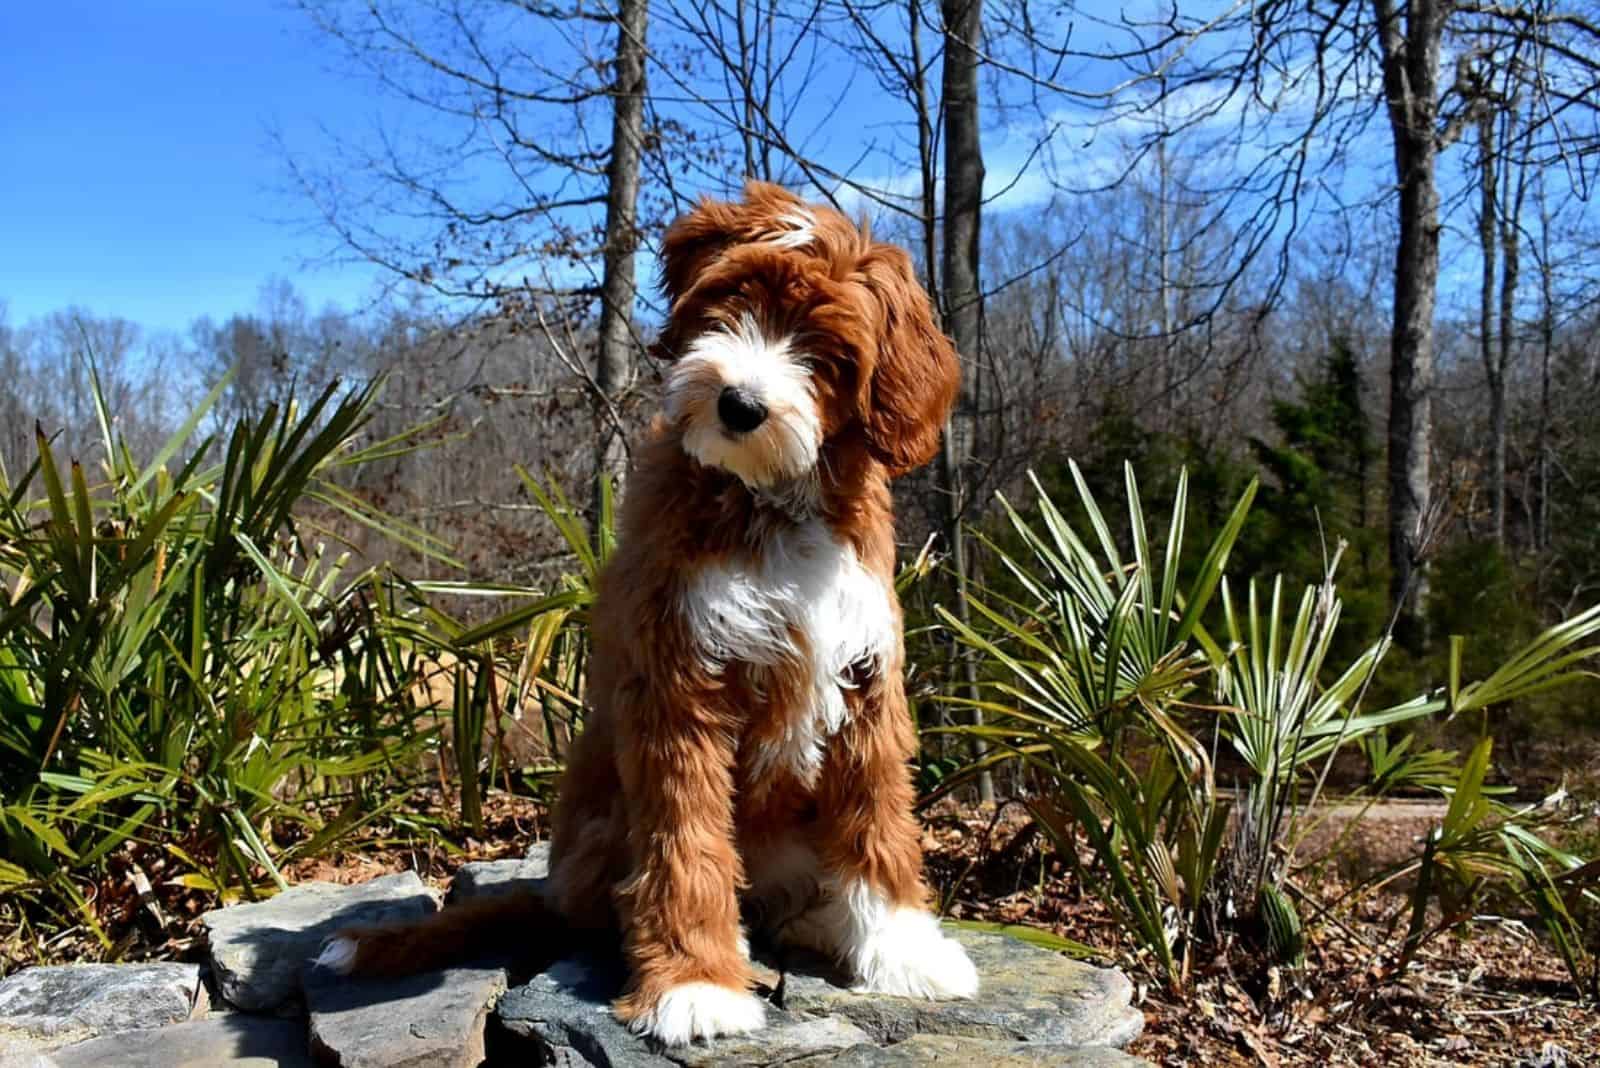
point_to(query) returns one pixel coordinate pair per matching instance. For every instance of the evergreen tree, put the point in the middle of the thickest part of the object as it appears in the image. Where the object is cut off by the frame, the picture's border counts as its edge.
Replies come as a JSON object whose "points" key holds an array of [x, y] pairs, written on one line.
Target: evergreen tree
{"points": [[1320, 477]]}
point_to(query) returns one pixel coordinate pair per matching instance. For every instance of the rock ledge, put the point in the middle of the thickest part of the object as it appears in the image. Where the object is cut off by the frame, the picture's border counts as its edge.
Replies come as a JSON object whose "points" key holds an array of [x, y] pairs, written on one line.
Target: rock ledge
{"points": [[1035, 1008]]}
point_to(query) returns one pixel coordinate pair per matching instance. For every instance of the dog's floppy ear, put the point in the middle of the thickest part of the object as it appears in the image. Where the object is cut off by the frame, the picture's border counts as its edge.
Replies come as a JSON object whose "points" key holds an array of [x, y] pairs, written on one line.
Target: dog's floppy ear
{"points": [[916, 375], [692, 241]]}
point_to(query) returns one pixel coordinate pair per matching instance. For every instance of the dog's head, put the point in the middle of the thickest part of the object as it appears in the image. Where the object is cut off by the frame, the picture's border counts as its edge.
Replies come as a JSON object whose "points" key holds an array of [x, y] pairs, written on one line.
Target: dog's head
{"points": [[788, 327]]}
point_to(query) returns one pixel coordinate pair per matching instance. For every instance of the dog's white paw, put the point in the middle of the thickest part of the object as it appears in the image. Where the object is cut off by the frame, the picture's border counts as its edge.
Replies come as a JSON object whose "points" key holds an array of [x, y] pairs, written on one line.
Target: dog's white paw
{"points": [[908, 956], [338, 955], [700, 1010]]}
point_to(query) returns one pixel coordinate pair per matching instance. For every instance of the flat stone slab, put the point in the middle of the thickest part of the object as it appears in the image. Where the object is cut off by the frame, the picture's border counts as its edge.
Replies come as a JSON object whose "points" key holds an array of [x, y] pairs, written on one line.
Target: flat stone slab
{"points": [[432, 1020], [503, 876], [792, 1042], [923, 1051], [565, 1012], [235, 1039], [23, 1056], [259, 949], [1025, 994], [71, 1002], [1035, 1008]]}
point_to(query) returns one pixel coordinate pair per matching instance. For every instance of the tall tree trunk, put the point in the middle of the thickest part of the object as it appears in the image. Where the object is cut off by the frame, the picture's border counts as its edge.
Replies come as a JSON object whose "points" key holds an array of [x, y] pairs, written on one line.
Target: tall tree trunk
{"points": [[614, 361], [963, 211], [1411, 76], [1512, 198], [928, 224], [927, 164], [746, 75], [1493, 371], [1163, 261], [1547, 333], [1510, 269]]}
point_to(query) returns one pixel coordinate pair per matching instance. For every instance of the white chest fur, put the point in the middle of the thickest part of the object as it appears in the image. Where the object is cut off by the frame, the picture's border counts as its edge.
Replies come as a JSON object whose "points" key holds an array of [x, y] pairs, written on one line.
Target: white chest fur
{"points": [[803, 582]]}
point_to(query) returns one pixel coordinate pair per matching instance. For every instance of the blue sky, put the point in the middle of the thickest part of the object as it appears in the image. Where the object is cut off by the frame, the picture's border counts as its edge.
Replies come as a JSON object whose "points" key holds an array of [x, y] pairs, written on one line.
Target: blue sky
{"points": [[138, 178], [136, 174]]}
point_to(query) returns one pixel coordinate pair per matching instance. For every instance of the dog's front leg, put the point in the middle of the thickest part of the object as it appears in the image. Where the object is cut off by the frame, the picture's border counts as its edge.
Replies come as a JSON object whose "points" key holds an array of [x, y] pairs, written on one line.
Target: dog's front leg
{"points": [[679, 907], [874, 917]]}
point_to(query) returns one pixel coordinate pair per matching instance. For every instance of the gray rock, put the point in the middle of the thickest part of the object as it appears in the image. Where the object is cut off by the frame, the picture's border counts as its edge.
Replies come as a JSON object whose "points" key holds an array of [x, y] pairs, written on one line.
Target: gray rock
{"points": [[432, 1020], [565, 1012], [923, 1051], [503, 876], [76, 1001], [237, 1040], [258, 950], [1036, 1008], [1026, 994], [796, 1041], [10, 1058]]}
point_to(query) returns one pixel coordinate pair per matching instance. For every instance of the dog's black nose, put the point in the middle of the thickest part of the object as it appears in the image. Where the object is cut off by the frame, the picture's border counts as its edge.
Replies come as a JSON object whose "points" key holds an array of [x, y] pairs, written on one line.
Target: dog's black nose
{"points": [[740, 410]]}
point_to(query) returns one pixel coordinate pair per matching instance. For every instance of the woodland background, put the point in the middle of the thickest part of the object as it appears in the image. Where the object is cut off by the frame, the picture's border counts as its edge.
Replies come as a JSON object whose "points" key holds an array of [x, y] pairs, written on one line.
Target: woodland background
{"points": [[1349, 246]]}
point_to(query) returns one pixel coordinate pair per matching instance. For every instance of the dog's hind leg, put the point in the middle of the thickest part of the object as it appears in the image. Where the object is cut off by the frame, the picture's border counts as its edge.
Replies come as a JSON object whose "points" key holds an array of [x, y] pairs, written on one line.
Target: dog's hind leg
{"points": [[874, 917], [589, 843]]}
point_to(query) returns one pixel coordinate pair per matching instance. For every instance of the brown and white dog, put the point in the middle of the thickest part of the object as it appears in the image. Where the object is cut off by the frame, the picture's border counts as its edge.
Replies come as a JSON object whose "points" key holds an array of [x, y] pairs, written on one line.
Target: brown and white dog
{"points": [[749, 734]]}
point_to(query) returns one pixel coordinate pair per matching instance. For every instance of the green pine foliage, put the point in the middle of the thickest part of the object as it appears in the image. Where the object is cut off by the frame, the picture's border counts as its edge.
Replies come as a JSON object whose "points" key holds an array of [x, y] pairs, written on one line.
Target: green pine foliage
{"points": [[1321, 482]]}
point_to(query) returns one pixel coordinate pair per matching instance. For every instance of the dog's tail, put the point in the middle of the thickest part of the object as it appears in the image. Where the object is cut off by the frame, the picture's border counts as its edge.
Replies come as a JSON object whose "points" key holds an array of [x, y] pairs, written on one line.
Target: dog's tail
{"points": [[513, 921]]}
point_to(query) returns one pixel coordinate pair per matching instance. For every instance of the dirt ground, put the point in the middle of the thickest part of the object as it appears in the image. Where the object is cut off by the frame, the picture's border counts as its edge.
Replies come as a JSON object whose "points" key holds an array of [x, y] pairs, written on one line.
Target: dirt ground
{"points": [[1494, 993]]}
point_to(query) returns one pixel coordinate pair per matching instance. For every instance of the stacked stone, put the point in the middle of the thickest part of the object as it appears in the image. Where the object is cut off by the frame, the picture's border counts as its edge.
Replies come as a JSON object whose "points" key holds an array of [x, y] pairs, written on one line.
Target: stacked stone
{"points": [[257, 1000]]}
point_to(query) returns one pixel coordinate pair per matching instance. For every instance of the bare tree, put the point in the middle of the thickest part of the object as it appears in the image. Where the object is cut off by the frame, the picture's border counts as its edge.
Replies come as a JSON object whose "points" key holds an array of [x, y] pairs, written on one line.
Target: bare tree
{"points": [[1502, 169], [1409, 45], [56, 359], [504, 189], [614, 360], [962, 289], [15, 429], [764, 89], [1289, 91], [1488, 244], [1547, 330]]}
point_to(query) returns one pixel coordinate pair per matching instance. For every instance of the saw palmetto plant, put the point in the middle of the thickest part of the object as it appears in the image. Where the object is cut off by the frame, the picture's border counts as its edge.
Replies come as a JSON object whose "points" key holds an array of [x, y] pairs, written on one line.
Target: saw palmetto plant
{"points": [[546, 631], [1113, 679], [190, 666], [1090, 671]]}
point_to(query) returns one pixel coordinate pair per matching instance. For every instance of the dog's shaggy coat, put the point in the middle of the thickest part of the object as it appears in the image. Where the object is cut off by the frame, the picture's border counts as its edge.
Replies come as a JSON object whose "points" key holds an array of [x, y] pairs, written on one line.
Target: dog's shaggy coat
{"points": [[749, 735]]}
